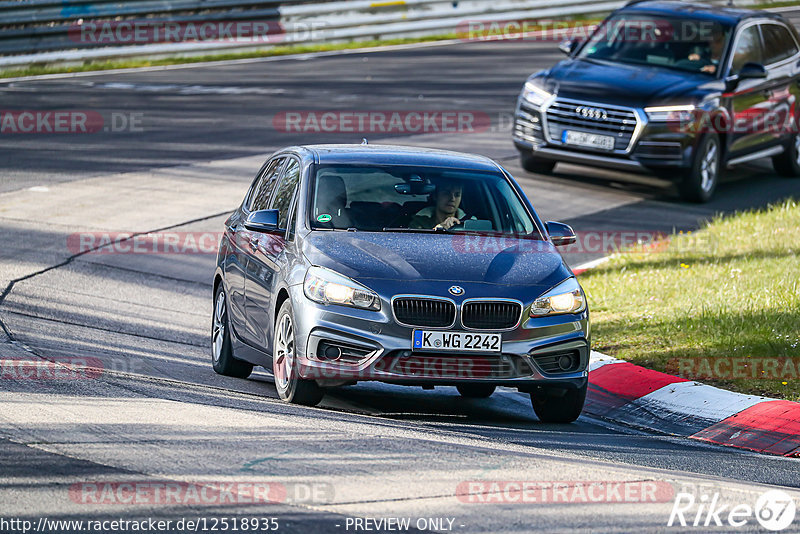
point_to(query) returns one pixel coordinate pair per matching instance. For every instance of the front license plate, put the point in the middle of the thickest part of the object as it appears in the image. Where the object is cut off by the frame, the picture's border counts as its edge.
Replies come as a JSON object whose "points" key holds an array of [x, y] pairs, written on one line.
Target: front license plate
{"points": [[438, 341], [603, 142]]}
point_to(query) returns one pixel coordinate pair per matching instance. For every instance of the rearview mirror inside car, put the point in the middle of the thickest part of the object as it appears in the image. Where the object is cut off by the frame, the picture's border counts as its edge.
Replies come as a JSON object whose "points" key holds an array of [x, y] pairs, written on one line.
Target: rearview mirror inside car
{"points": [[560, 234], [416, 185]]}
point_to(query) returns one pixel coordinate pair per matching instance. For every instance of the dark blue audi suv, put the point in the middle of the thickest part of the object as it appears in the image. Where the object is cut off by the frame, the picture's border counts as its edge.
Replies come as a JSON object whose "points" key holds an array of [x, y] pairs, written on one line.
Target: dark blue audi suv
{"points": [[679, 89]]}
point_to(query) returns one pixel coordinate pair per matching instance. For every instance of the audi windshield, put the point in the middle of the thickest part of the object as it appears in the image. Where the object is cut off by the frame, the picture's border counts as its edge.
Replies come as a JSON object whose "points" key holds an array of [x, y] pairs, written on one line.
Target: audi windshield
{"points": [[692, 45]]}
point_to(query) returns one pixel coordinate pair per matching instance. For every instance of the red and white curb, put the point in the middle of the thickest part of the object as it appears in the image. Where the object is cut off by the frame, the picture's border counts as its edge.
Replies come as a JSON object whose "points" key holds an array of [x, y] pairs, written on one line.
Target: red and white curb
{"points": [[632, 395], [626, 393]]}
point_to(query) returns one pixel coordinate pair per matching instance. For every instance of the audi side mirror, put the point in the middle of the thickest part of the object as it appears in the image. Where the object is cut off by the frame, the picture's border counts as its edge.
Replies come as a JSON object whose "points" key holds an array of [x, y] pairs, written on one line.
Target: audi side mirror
{"points": [[752, 71], [560, 234], [265, 221], [749, 71]]}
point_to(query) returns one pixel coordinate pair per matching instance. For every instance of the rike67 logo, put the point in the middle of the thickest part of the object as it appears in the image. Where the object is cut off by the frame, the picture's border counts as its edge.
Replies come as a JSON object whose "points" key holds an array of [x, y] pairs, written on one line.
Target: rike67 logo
{"points": [[774, 510]]}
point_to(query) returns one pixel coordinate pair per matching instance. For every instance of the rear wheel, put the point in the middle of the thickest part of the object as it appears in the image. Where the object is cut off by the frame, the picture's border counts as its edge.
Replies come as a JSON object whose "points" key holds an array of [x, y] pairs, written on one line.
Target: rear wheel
{"points": [[788, 163], [476, 391], [558, 405], [531, 163], [290, 386], [222, 358], [703, 176]]}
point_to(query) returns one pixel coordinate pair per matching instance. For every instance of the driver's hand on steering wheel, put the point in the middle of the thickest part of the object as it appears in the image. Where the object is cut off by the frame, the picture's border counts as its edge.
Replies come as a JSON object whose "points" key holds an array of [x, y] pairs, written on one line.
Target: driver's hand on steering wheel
{"points": [[447, 223]]}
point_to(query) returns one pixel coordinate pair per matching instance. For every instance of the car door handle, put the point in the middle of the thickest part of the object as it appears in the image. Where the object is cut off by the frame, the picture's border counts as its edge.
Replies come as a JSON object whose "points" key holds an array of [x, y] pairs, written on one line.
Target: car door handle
{"points": [[253, 242]]}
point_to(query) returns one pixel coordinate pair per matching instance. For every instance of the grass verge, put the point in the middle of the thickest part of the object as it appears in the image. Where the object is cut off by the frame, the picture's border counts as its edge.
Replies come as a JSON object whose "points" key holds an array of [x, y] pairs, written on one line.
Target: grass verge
{"points": [[720, 305], [37, 70]]}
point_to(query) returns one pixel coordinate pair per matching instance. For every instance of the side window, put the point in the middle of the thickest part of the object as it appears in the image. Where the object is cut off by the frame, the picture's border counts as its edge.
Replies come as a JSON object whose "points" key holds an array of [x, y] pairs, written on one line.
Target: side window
{"points": [[283, 196], [290, 230], [778, 43], [748, 49], [266, 185]]}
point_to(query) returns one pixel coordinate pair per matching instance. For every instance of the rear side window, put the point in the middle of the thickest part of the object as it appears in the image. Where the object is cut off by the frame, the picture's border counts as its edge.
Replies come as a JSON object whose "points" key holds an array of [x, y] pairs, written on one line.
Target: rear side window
{"points": [[285, 192], [263, 191], [748, 49], [778, 43]]}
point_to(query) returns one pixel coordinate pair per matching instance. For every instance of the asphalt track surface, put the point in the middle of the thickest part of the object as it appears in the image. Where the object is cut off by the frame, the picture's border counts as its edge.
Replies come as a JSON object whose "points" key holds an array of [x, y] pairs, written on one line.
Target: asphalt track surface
{"points": [[158, 412]]}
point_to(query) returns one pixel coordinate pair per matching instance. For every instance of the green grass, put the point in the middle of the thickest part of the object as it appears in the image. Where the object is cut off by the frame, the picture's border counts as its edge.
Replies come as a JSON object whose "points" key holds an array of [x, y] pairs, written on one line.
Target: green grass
{"points": [[730, 290], [36, 70]]}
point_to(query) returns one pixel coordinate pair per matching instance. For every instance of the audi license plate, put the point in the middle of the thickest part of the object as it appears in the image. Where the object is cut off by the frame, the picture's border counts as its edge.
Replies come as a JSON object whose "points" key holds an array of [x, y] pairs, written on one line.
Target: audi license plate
{"points": [[438, 341], [603, 142]]}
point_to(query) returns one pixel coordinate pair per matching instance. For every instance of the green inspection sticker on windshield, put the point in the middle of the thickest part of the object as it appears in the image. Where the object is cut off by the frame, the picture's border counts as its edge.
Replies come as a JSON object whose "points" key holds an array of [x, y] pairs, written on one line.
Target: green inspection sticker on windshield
{"points": [[324, 217]]}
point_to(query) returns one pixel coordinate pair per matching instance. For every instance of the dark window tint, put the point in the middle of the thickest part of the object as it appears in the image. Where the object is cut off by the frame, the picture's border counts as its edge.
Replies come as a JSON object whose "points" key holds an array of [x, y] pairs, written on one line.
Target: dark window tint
{"points": [[748, 49], [778, 43], [285, 192], [290, 230], [260, 198]]}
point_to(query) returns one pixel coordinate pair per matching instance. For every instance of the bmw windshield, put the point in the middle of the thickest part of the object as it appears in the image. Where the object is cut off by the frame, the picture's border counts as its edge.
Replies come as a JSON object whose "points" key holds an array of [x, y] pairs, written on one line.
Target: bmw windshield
{"points": [[417, 199], [692, 45]]}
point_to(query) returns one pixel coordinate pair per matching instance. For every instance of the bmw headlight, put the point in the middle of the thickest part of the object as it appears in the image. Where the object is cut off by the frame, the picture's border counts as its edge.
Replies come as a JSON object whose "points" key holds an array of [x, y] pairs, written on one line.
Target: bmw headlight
{"points": [[670, 113], [534, 94], [566, 297], [329, 287]]}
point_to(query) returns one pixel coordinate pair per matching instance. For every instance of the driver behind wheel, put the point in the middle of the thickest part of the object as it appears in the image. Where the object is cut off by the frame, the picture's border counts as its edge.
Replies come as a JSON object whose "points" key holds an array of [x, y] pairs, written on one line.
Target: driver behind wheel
{"points": [[445, 212]]}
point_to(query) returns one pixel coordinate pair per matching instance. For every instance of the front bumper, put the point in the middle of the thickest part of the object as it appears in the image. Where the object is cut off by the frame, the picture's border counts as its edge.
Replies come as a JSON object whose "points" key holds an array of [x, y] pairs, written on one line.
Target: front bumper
{"points": [[653, 146], [377, 348]]}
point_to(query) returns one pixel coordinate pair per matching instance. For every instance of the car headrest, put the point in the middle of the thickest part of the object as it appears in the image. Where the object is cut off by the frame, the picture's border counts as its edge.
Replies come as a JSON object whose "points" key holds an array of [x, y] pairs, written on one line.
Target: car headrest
{"points": [[331, 194]]}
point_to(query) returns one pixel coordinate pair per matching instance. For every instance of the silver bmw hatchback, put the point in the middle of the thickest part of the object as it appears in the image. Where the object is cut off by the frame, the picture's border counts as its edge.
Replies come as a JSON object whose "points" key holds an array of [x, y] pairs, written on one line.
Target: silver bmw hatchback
{"points": [[348, 263]]}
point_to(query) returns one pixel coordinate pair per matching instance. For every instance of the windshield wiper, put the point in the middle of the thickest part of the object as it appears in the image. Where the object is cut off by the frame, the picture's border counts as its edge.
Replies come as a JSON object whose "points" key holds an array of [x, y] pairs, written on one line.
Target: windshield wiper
{"points": [[410, 230]]}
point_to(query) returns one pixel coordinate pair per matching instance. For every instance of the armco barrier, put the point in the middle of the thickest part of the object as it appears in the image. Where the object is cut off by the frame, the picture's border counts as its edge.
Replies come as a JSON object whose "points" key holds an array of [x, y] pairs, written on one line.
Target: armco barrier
{"points": [[55, 31]]}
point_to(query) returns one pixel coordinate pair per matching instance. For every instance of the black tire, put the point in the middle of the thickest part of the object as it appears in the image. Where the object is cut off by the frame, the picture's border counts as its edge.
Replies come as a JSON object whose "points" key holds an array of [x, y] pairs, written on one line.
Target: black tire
{"points": [[222, 358], [788, 163], [553, 407], [290, 386], [703, 176], [476, 391], [536, 165]]}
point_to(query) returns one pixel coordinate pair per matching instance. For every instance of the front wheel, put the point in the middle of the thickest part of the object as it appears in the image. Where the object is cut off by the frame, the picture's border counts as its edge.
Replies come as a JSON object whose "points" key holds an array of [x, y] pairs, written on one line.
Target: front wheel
{"points": [[476, 391], [222, 358], [290, 386], [536, 165], [703, 176], [558, 406], [787, 163]]}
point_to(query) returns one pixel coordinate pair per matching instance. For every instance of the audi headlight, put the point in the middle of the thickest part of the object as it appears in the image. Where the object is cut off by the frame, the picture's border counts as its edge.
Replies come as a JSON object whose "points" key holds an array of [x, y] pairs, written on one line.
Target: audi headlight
{"points": [[535, 94], [670, 113], [566, 297], [329, 287]]}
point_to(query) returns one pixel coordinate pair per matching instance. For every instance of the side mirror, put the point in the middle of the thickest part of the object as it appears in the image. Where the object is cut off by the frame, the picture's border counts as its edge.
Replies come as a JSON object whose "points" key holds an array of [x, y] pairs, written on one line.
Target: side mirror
{"points": [[749, 71], [560, 234], [265, 221], [568, 46], [752, 71]]}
